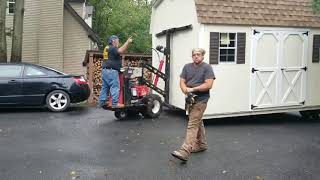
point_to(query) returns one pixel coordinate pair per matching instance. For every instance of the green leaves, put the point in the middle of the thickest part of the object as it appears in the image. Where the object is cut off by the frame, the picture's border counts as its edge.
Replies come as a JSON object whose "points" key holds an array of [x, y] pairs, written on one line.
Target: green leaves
{"points": [[124, 18], [316, 5]]}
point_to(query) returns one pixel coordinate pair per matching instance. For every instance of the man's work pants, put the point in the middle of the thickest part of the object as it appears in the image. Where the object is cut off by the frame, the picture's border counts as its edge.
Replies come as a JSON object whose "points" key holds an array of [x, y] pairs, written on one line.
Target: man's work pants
{"points": [[195, 135]]}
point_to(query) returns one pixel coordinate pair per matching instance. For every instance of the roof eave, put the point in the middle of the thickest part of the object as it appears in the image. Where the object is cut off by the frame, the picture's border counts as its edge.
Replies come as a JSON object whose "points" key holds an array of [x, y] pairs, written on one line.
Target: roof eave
{"points": [[91, 34]]}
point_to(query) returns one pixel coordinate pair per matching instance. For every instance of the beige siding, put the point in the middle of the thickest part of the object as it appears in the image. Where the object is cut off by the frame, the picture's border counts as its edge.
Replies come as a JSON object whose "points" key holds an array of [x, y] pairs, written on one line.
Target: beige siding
{"points": [[78, 7], [9, 24], [51, 34], [31, 28], [42, 33], [76, 43]]}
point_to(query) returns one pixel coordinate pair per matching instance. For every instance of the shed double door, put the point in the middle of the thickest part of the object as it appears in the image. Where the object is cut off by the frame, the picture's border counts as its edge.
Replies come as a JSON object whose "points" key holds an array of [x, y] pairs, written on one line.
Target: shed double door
{"points": [[278, 68]]}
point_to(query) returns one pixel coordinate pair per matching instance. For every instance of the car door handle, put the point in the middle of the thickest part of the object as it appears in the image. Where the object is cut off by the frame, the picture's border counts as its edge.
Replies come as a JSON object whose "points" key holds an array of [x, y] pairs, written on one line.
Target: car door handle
{"points": [[12, 81]]}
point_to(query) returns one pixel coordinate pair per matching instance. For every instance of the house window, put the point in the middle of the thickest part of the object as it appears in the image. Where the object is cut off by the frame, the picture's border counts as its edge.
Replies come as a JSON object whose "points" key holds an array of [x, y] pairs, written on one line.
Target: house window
{"points": [[227, 47], [11, 6]]}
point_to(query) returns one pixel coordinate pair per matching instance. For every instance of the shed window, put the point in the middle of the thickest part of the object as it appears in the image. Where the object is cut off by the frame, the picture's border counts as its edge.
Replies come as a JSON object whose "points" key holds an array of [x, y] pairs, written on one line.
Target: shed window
{"points": [[11, 6], [227, 47]]}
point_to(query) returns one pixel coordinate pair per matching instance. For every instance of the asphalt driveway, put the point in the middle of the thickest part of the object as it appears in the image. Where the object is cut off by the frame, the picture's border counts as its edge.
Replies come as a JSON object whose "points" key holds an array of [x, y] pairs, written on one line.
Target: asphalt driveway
{"points": [[88, 143]]}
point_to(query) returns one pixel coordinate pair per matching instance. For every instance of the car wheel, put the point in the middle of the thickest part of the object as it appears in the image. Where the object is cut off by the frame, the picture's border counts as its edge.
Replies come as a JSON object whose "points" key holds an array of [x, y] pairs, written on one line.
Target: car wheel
{"points": [[310, 115], [121, 114], [58, 101], [153, 105]]}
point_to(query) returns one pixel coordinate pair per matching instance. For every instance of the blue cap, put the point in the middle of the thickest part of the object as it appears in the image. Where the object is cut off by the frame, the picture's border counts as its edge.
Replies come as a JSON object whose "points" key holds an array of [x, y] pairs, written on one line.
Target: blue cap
{"points": [[111, 38]]}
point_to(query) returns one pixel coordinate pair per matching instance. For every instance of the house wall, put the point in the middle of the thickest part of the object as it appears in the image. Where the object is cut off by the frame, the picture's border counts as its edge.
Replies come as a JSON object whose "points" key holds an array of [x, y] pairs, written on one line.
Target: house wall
{"points": [[182, 42], [45, 40], [9, 24], [31, 30], [75, 38], [42, 33], [78, 7], [51, 34]]}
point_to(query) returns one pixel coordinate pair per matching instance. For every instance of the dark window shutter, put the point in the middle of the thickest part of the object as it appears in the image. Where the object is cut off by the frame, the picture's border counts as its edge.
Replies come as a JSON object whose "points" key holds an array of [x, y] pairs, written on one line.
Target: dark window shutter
{"points": [[316, 46], [241, 48], [214, 48]]}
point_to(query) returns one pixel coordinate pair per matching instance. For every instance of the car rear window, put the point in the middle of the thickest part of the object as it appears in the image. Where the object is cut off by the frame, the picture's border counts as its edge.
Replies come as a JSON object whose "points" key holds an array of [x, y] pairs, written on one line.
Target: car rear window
{"points": [[10, 71], [31, 71], [53, 71]]}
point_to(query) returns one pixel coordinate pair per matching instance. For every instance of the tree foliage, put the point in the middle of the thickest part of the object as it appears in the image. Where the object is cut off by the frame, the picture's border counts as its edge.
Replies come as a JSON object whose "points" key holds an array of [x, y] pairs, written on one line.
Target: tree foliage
{"points": [[123, 18], [316, 5]]}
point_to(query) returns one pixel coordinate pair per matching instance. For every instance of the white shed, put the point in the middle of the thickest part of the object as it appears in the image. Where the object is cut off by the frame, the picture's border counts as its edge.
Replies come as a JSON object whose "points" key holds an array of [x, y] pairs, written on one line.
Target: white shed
{"points": [[265, 54]]}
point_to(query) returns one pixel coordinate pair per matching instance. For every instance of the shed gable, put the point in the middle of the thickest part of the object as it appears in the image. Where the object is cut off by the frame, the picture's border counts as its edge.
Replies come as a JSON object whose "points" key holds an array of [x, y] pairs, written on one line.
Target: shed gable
{"points": [[285, 13]]}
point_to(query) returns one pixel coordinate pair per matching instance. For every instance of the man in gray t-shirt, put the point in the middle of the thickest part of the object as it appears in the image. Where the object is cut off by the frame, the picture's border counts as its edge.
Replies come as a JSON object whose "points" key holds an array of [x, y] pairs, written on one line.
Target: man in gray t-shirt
{"points": [[196, 78]]}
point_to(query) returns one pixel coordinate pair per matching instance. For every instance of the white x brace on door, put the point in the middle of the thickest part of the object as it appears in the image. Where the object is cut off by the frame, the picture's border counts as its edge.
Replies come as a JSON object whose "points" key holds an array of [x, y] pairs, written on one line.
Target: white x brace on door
{"points": [[278, 74]]}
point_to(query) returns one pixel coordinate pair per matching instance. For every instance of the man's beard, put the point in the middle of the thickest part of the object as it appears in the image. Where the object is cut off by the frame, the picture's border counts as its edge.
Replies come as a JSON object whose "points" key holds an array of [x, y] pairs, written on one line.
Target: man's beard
{"points": [[197, 62]]}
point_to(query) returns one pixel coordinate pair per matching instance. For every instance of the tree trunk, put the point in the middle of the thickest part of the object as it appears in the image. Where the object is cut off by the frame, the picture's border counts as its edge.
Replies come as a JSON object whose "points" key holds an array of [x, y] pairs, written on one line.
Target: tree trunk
{"points": [[16, 51], [3, 42]]}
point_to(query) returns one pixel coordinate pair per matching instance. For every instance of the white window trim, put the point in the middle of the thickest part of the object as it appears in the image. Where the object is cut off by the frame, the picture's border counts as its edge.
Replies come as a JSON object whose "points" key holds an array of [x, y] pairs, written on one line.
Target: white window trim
{"points": [[8, 5], [235, 48]]}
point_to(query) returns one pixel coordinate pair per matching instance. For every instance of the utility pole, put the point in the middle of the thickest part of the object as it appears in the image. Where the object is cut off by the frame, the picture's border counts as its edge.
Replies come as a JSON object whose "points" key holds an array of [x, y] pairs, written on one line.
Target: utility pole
{"points": [[3, 42], [16, 51]]}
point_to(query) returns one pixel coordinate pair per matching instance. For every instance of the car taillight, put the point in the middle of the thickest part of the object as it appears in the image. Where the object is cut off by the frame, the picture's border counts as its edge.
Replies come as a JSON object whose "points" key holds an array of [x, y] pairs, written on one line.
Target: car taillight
{"points": [[80, 80]]}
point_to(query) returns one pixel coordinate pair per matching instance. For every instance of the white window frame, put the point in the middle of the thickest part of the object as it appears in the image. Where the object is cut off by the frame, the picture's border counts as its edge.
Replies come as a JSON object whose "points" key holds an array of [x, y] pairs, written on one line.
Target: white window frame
{"points": [[227, 48], [8, 6]]}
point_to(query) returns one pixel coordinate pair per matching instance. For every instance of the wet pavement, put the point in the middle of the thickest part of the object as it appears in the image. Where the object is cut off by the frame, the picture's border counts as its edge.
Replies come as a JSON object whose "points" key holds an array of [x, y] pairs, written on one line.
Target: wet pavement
{"points": [[88, 143]]}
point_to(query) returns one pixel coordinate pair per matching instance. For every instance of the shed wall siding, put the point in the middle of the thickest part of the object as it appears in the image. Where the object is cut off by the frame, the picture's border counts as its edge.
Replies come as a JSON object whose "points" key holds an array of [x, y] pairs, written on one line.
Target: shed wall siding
{"points": [[171, 14], [182, 42], [313, 83], [231, 92], [224, 98], [75, 38], [231, 89]]}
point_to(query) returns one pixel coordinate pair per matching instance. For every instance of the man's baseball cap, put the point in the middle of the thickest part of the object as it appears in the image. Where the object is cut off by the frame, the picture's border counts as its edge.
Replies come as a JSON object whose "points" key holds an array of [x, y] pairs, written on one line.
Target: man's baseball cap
{"points": [[111, 38]]}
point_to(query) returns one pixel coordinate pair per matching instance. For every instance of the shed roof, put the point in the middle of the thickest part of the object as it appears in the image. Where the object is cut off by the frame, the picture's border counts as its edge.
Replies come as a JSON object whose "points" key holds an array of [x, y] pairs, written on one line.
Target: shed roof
{"points": [[287, 13]]}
